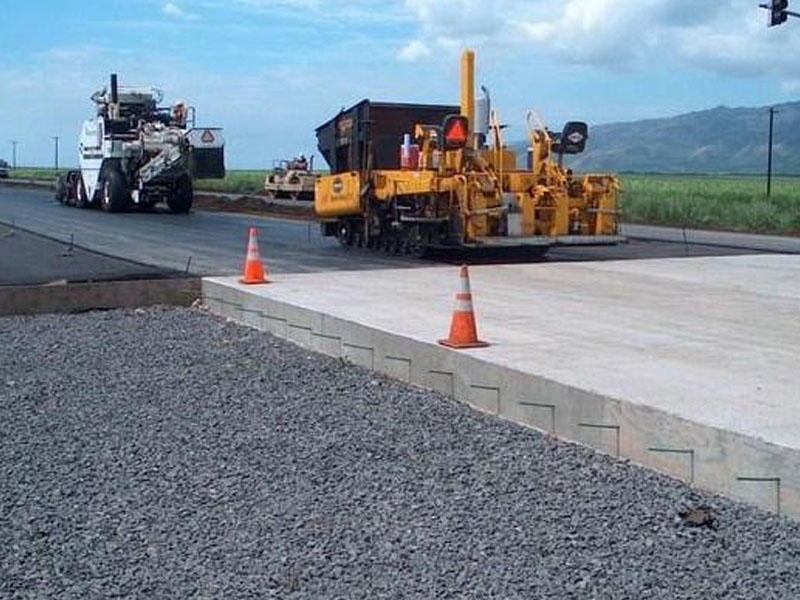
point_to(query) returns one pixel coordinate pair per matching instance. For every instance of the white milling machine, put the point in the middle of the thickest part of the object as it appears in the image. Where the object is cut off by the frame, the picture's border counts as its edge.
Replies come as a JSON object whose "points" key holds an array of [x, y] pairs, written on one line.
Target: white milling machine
{"points": [[135, 153]]}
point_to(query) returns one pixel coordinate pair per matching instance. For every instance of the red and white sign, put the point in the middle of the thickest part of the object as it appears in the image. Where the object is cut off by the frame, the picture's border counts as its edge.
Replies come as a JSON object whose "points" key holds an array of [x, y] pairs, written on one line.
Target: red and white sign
{"points": [[206, 137]]}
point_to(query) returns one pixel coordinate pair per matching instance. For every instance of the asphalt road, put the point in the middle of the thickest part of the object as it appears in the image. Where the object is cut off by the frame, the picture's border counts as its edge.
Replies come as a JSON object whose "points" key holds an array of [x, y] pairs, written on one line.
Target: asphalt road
{"points": [[214, 243], [28, 259], [211, 243]]}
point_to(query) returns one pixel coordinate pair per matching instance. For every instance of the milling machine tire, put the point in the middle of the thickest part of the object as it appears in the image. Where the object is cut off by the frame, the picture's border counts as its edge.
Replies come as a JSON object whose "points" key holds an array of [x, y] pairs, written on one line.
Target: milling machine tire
{"points": [[81, 201], [115, 196], [180, 200], [61, 189]]}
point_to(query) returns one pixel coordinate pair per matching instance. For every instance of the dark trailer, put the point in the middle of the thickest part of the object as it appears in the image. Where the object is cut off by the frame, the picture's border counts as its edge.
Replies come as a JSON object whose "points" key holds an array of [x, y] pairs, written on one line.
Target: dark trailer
{"points": [[347, 139]]}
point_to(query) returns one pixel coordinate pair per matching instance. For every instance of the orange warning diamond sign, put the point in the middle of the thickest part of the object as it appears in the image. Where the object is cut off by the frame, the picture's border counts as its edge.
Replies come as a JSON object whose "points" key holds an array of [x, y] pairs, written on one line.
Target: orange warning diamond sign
{"points": [[455, 131]]}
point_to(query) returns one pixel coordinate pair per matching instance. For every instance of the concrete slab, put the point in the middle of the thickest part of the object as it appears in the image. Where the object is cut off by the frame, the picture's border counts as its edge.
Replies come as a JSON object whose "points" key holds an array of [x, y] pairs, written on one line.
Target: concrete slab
{"points": [[689, 366]]}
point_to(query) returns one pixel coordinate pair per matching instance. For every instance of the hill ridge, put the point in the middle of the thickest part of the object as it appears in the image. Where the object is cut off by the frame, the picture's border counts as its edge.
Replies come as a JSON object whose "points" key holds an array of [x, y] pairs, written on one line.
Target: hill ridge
{"points": [[721, 139]]}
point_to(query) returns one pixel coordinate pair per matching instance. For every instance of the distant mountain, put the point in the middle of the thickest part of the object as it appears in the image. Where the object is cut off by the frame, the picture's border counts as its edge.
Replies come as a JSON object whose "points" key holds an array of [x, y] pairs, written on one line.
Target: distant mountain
{"points": [[720, 140]]}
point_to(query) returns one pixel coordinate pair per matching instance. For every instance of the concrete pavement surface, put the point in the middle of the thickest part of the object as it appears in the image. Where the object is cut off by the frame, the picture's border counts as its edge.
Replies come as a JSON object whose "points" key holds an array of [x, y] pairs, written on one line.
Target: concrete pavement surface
{"points": [[665, 333], [707, 342]]}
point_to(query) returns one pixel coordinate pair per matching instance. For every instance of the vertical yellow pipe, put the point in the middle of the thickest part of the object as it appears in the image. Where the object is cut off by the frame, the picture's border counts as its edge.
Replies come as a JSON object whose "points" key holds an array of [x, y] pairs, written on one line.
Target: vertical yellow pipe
{"points": [[468, 87]]}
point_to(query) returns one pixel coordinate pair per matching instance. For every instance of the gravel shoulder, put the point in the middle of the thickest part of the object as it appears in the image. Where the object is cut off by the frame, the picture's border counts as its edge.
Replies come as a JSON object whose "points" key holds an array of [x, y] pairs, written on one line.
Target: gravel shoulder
{"points": [[167, 453]]}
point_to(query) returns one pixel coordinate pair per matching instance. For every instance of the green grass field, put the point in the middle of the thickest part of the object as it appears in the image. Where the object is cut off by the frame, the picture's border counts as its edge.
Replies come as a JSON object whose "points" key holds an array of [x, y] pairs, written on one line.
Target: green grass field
{"points": [[235, 182], [238, 182], [37, 174], [733, 203]]}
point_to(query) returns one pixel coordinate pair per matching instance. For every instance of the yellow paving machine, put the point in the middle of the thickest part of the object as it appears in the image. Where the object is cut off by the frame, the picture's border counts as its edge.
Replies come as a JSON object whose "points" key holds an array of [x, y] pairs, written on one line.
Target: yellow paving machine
{"points": [[410, 177]]}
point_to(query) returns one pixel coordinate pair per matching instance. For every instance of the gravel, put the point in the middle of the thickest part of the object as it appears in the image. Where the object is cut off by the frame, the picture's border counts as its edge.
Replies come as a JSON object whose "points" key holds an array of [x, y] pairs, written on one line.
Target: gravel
{"points": [[165, 453]]}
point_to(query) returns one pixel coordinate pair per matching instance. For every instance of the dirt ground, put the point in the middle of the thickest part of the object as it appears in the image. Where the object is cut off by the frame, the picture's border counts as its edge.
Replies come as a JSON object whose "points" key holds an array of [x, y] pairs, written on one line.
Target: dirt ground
{"points": [[254, 205]]}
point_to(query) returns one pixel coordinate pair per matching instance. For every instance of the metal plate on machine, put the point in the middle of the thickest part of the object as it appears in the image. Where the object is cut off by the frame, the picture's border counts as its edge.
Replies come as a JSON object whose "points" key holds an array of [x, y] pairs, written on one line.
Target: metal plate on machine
{"points": [[562, 240], [206, 137]]}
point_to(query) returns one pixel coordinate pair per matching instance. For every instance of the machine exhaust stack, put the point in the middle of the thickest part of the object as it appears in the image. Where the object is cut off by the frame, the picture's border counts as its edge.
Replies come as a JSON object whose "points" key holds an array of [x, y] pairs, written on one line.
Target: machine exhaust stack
{"points": [[468, 89], [114, 95]]}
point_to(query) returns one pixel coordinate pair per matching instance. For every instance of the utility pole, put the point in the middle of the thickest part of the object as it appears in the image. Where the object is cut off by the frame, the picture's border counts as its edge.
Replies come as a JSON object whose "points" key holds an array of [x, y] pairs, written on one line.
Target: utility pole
{"points": [[14, 154], [55, 138], [769, 151]]}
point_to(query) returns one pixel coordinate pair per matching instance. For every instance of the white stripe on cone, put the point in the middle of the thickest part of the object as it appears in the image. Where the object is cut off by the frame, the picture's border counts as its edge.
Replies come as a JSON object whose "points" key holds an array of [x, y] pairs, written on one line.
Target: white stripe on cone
{"points": [[463, 306], [465, 286]]}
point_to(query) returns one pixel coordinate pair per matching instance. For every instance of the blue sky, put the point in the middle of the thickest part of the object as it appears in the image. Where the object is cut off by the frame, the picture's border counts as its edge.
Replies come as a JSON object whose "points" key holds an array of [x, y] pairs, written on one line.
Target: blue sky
{"points": [[270, 71]]}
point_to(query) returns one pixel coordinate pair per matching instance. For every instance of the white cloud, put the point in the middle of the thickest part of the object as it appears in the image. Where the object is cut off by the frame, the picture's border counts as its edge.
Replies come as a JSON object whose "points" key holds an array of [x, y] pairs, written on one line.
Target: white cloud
{"points": [[265, 4], [69, 54], [413, 51], [791, 87], [724, 36], [355, 13], [176, 12]]}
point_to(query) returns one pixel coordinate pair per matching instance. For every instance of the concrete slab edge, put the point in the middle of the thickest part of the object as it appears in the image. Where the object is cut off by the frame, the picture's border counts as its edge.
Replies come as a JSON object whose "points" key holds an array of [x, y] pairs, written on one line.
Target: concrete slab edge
{"points": [[745, 469], [780, 244], [78, 297]]}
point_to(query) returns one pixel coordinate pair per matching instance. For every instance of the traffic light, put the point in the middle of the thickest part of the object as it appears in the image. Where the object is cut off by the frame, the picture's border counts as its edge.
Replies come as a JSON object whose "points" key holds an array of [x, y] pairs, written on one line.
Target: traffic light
{"points": [[455, 131], [777, 12]]}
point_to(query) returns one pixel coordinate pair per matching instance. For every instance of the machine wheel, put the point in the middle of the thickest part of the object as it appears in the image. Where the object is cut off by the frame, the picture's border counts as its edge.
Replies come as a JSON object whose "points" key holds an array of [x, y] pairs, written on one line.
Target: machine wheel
{"points": [[344, 233], [414, 244], [62, 189], [269, 196], [180, 201], [81, 201], [115, 196], [390, 243], [294, 196], [146, 203]]}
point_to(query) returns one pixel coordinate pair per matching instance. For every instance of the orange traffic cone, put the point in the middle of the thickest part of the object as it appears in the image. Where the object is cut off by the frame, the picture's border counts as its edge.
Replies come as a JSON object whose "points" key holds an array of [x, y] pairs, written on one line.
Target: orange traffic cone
{"points": [[463, 331], [254, 271]]}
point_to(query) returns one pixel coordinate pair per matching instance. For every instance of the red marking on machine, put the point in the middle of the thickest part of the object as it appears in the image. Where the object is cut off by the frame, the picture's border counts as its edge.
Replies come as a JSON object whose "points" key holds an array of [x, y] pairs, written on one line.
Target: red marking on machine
{"points": [[455, 131]]}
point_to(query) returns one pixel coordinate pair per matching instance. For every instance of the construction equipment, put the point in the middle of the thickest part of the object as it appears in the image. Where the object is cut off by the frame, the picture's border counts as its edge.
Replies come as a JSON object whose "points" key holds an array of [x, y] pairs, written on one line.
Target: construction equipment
{"points": [[134, 153], [407, 178], [293, 179]]}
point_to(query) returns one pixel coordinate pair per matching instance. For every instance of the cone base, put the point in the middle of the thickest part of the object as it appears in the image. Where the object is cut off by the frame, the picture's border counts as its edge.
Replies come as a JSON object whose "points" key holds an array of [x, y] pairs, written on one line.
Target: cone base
{"points": [[457, 346], [254, 281]]}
